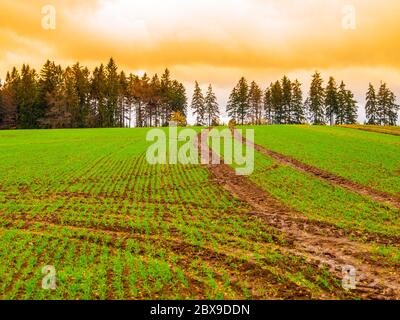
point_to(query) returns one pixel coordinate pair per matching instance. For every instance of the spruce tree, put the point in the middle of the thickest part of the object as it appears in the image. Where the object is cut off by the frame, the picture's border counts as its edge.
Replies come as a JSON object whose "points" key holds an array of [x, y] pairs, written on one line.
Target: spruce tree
{"points": [[331, 101], [122, 99], [342, 102], [98, 97], [26, 97], [51, 77], [268, 107], [178, 99], [198, 105], [80, 85], [112, 93], [386, 106], [211, 107], [231, 107], [165, 91], [242, 90], [286, 101], [255, 103], [63, 102], [316, 100], [371, 107], [393, 110], [9, 100], [154, 104], [277, 103], [351, 109], [298, 112]]}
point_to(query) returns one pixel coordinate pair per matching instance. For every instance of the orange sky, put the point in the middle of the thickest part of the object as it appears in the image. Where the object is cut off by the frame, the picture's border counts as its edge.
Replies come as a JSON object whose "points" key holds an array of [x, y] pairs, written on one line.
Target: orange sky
{"points": [[211, 41]]}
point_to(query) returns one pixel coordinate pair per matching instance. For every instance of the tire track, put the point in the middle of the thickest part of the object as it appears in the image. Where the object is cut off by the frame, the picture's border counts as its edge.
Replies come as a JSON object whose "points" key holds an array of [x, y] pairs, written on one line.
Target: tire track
{"points": [[322, 246], [331, 178]]}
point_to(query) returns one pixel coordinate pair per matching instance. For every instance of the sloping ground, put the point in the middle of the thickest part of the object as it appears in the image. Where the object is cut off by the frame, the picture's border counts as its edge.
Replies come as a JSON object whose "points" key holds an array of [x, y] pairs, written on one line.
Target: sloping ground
{"points": [[380, 129], [324, 175], [310, 239], [115, 227], [320, 243], [365, 158]]}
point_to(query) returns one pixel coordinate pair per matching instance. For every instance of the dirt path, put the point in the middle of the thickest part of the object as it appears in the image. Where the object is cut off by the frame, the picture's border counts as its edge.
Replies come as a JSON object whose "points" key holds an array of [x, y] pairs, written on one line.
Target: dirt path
{"points": [[381, 130], [324, 175], [321, 244]]}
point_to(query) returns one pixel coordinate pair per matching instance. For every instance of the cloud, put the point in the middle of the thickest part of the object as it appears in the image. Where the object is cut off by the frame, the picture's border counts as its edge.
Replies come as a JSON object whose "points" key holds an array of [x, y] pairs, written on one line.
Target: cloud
{"points": [[236, 33], [208, 40]]}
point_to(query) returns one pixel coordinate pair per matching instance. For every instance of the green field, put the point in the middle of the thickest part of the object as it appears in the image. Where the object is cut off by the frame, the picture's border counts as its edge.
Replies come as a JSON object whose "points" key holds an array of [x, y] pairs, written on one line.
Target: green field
{"points": [[380, 129], [368, 158], [115, 227]]}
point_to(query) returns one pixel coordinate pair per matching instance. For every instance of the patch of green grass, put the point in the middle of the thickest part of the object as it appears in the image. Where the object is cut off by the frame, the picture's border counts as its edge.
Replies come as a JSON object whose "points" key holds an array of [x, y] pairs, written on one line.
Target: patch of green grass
{"points": [[115, 227], [394, 130], [368, 158]]}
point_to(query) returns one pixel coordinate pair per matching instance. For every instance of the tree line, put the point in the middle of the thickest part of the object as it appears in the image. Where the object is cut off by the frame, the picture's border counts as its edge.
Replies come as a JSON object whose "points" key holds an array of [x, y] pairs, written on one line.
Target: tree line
{"points": [[74, 97], [282, 103]]}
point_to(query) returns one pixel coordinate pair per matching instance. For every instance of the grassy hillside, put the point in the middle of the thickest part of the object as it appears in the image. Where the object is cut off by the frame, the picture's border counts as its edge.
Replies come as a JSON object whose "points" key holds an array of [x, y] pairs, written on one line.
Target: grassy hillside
{"points": [[115, 227], [369, 158]]}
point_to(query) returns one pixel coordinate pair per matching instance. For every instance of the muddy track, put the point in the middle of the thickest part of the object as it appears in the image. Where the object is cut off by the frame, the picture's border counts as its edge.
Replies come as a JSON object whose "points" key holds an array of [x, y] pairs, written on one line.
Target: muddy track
{"points": [[324, 175], [321, 245], [380, 130]]}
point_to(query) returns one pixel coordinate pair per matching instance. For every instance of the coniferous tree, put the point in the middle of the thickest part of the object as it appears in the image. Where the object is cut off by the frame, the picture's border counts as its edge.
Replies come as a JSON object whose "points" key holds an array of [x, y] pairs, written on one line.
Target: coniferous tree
{"points": [[165, 89], [286, 101], [393, 110], [154, 103], [331, 101], [277, 103], [383, 103], [238, 105], [122, 100], [211, 106], [268, 107], [350, 108], [198, 106], [144, 92], [51, 77], [231, 107], [178, 99], [62, 102], [255, 103], [98, 97], [371, 107], [387, 107], [298, 112], [242, 90], [112, 92], [26, 98], [2, 109], [9, 100], [342, 100], [316, 100], [77, 86]]}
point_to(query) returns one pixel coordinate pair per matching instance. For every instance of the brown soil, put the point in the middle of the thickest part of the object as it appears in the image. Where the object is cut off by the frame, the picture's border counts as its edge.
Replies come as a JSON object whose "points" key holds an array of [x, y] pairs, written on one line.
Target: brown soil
{"points": [[319, 244], [324, 175], [383, 130]]}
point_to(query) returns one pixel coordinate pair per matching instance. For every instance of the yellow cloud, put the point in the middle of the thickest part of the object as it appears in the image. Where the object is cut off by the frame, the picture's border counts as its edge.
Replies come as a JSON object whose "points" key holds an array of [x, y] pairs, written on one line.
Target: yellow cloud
{"points": [[248, 36]]}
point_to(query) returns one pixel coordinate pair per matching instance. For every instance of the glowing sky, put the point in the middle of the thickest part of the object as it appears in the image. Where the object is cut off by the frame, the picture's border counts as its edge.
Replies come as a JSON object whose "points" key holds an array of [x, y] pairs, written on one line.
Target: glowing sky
{"points": [[213, 41]]}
